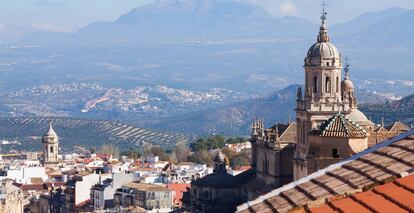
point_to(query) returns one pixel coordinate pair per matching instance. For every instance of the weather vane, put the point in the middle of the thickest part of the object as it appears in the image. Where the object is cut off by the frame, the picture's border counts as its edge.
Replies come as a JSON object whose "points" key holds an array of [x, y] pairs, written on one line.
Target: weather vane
{"points": [[347, 61], [324, 8]]}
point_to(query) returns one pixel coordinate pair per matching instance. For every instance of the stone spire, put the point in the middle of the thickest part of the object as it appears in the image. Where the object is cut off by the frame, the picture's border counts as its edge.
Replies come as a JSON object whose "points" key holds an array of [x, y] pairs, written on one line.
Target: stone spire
{"points": [[50, 136], [51, 131], [323, 30], [346, 69], [299, 93]]}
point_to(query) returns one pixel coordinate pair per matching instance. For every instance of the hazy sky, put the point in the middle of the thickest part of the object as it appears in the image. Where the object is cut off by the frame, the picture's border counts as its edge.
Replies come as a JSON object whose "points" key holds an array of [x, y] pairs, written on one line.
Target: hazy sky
{"points": [[69, 15]]}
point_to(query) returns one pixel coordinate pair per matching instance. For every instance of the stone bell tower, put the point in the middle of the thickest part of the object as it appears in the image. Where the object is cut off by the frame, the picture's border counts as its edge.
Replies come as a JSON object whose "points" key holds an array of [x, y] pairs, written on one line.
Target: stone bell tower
{"points": [[326, 101], [322, 94], [50, 141]]}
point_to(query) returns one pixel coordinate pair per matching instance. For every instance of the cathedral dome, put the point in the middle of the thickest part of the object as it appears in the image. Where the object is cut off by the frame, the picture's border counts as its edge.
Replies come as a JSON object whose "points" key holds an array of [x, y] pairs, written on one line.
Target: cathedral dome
{"points": [[357, 116], [323, 50], [347, 85]]}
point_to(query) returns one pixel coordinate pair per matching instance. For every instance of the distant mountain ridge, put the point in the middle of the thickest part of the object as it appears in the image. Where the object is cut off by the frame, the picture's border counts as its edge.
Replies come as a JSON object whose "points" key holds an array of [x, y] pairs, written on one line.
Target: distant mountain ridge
{"points": [[183, 20], [364, 21], [193, 20], [401, 110]]}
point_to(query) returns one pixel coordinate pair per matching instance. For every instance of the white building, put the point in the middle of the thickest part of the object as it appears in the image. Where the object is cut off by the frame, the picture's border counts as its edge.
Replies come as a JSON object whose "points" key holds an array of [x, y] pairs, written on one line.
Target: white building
{"points": [[102, 194], [24, 174], [153, 198]]}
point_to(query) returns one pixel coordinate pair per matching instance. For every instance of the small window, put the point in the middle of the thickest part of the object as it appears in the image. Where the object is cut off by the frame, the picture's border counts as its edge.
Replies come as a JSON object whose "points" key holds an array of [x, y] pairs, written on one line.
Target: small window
{"points": [[335, 153], [327, 64], [315, 84], [328, 85], [51, 149]]}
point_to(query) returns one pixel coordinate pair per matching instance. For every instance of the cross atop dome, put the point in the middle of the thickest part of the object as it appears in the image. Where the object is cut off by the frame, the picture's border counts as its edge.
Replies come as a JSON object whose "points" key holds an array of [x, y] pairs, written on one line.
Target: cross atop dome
{"points": [[324, 13], [323, 32]]}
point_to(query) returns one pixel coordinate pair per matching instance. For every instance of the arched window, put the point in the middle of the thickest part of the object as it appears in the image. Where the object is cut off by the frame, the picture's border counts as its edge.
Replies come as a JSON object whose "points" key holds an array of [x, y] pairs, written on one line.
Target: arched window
{"points": [[335, 153], [51, 149], [328, 84], [315, 84], [337, 84]]}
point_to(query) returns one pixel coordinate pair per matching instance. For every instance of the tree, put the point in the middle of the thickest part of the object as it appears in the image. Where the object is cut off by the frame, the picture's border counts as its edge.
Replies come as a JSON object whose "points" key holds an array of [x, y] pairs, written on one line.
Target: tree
{"points": [[132, 153], [202, 157], [235, 140], [181, 152], [213, 142], [240, 160], [109, 149], [158, 151], [230, 154]]}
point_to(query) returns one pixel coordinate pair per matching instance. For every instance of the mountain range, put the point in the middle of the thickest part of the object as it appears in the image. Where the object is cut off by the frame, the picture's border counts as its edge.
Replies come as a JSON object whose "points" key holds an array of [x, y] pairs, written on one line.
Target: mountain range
{"points": [[184, 20], [221, 42]]}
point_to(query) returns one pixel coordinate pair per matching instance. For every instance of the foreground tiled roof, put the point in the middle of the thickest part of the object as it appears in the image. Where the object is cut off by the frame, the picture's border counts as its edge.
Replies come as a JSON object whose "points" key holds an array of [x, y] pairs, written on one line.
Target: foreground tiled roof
{"points": [[376, 165], [397, 196], [340, 127]]}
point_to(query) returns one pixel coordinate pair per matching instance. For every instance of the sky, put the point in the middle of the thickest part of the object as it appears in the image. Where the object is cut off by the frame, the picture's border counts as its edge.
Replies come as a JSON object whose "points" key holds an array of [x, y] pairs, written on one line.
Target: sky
{"points": [[71, 15], [63, 15]]}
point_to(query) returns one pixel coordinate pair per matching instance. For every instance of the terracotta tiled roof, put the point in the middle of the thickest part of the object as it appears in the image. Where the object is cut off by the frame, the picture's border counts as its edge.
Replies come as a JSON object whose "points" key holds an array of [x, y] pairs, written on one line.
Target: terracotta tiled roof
{"points": [[287, 132], [179, 189], [376, 165], [145, 187], [340, 127], [33, 187], [36, 180], [397, 196]]}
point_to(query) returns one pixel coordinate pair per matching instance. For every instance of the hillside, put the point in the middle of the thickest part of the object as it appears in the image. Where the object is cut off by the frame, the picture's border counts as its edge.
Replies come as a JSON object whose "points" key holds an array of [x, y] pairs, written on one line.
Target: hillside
{"points": [[402, 110], [235, 119], [81, 132]]}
